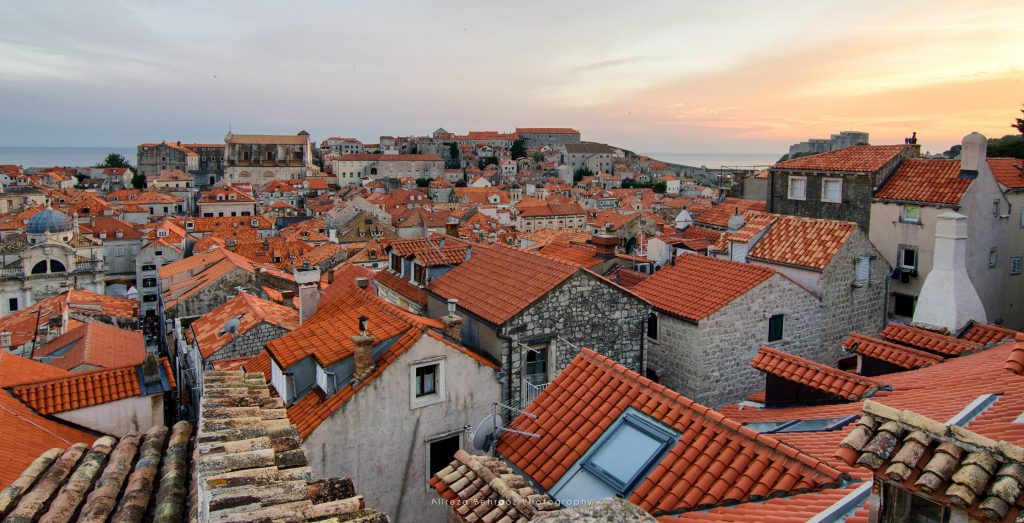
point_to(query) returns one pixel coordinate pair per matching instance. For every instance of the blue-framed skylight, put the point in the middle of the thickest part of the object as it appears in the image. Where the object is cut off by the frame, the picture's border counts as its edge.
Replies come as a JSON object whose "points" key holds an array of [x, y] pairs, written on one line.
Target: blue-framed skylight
{"points": [[800, 425]]}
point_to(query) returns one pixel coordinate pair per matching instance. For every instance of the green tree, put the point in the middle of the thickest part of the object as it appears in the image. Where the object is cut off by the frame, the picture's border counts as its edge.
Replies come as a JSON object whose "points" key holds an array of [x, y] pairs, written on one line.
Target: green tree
{"points": [[660, 186], [115, 160], [538, 157], [518, 149], [581, 173], [138, 181], [453, 149], [484, 162], [423, 182], [1011, 146], [1019, 124]]}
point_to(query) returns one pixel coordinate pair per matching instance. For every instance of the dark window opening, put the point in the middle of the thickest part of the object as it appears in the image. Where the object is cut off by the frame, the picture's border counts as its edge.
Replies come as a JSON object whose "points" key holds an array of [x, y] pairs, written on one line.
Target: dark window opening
{"points": [[903, 304], [39, 268], [12, 304], [652, 326], [442, 452], [536, 370], [775, 327]]}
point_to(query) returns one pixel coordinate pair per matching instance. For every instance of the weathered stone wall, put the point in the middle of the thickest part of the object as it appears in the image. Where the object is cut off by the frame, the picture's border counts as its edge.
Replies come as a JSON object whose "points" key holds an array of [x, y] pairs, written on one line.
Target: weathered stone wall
{"points": [[847, 308], [585, 311], [858, 193], [250, 343], [214, 294], [710, 362]]}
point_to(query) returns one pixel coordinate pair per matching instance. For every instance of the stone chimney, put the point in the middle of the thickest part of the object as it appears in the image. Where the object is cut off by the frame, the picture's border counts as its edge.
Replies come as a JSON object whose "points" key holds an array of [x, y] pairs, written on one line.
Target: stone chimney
{"points": [[452, 322], [308, 280], [736, 221], [364, 350], [150, 369], [974, 149], [604, 244], [948, 298]]}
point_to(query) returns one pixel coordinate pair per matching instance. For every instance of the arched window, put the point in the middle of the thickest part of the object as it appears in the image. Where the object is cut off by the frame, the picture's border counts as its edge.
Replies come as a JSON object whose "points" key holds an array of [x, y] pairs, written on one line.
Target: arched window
{"points": [[39, 268], [56, 266]]}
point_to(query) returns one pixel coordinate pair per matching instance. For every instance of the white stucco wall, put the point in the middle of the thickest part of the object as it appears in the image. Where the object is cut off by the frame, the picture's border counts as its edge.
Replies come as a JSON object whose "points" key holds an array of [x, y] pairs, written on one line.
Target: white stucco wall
{"points": [[378, 440], [118, 418]]}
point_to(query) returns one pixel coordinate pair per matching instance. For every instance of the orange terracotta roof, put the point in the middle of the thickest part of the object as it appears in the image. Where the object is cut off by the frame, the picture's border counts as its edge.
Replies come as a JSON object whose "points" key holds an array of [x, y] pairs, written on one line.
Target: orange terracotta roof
{"points": [[718, 216], [250, 310], [898, 355], [546, 130], [94, 344], [84, 389], [1008, 171], [550, 209], [859, 158], [15, 370], [829, 380], [799, 508], [985, 333], [27, 434], [624, 276], [525, 278], [1015, 361], [804, 242], [696, 286], [928, 340], [345, 274], [401, 286], [926, 180], [716, 460], [327, 335], [582, 255]]}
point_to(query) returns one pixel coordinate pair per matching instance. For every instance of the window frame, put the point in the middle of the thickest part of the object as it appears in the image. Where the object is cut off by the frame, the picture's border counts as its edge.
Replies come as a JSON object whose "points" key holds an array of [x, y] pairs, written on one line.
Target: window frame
{"points": [[904, 215], [642, 423], [653, 320], [993, 257], [900, 257], [1015, 265], [789, 187], [824, 192], [864, 259], [418, 400]]}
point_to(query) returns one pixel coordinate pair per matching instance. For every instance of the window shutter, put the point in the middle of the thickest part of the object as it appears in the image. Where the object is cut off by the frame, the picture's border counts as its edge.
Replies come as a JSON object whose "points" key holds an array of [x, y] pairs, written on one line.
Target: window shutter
{"points": [[863, 269]]}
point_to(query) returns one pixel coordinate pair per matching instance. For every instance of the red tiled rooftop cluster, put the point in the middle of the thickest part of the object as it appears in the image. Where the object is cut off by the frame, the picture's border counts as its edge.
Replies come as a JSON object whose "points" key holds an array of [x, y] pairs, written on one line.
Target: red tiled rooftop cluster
{"points": [[695, 286], [859, 158], [898, 355], [829, 380], [926, 180]]}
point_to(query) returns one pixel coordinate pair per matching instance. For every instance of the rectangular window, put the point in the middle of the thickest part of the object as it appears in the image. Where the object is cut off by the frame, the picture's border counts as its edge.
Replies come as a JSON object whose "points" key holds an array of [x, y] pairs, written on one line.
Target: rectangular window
{"points": [[442, 452], [797, 188], [775, 327], [426, 380], [149, 267], [119, 251], [149, 298], [1015, 263], [907, 258], [832, 190], [12, 304], [863, 271], [652, 326], [149, 282], [903, 505], [993, 257], [903, 304], [910, 214]]}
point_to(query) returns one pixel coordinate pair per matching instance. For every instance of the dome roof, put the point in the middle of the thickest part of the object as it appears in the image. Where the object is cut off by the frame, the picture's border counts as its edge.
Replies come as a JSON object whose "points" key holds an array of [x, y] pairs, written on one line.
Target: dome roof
{"points": [[48, 220]]}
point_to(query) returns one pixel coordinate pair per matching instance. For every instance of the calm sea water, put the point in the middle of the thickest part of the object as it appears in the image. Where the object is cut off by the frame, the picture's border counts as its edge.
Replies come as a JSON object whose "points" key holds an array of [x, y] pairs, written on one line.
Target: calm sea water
{"points": [[61, 156], [717, 159]]}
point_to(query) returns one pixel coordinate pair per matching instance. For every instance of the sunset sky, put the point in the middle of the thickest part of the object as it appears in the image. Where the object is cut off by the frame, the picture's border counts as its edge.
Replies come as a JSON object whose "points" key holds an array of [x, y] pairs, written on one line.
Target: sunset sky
{"points": [[651, 76]]}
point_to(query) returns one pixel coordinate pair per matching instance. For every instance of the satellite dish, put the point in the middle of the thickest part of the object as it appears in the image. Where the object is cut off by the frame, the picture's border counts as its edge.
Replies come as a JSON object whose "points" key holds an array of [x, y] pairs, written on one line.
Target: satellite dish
{"points": [[231, 326], [486, 432]]}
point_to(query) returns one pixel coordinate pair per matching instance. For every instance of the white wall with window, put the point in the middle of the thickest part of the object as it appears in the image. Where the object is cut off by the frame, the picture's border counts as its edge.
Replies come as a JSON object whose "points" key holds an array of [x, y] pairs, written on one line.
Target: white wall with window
{"points": [[426, 382], [910, 214]]}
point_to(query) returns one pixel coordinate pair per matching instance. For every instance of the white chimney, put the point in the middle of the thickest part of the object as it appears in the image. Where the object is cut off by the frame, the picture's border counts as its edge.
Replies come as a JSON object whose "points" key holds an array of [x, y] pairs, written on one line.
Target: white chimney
{"points": [[683, 220], [308, 280], [974, 149], [736, 221], [948, 298]]}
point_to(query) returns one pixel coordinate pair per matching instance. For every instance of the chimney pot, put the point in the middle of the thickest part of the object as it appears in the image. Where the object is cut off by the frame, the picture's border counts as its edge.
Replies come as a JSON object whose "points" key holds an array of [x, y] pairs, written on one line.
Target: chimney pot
{"points": [[362, 282], [452, 323], [974, 149], [364, 364]]}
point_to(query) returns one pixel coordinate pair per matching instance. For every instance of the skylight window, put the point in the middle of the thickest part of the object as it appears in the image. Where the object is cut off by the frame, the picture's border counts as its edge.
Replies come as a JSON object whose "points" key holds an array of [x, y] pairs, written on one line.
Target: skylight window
{"points": [[800, 425], [618, 461]]}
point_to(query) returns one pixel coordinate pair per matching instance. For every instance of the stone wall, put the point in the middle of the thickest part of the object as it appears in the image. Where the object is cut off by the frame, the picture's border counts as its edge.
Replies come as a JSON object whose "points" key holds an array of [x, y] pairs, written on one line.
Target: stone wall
{"points": [[709, 362], [214, 294], [250, 343], [847, 308], [857, 195], [586, 311]]}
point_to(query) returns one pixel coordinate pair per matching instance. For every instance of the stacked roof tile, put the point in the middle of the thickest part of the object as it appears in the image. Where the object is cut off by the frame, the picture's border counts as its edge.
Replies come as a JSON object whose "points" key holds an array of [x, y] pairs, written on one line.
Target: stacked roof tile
{"points": [[525, 279], [926, 180], [829, 380], [946, 462], [716, 461], [859, 159], [985, 333], [85, 389], [250, 311], [94, 344], [484, 488], [718, 216], [928, 340], [1008, 171], [804, 242], [898, 355], [695, 286]]}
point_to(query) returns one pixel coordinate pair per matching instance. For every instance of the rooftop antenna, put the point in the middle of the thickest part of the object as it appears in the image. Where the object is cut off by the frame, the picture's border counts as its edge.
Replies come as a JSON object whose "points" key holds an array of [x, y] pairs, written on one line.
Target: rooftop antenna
{"points": [[485, 437]]}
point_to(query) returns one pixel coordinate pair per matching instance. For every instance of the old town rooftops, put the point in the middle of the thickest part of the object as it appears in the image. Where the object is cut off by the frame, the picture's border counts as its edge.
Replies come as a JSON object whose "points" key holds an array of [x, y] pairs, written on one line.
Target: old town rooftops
{"points": [[696, 286], [250, 311], [859, 159], [926, 180], [714, 460]]}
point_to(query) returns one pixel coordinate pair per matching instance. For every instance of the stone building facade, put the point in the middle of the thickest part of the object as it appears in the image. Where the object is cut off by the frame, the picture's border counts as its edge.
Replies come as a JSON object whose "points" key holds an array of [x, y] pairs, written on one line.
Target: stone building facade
{"points": [[258, 158], [709, 361], [583, 311], [534, 137], [249, 343], [205, 162]]}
